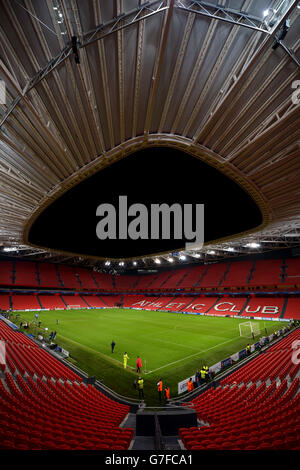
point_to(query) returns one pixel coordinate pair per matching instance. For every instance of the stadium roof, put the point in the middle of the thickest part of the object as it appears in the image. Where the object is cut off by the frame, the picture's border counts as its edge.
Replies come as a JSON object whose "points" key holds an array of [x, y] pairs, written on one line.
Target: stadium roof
{"points": [[217, 80]]}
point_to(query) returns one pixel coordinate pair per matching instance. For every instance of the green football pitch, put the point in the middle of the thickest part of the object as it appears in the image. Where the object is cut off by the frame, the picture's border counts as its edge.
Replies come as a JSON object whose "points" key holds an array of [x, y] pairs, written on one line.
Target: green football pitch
{"points": [[172, 346]]}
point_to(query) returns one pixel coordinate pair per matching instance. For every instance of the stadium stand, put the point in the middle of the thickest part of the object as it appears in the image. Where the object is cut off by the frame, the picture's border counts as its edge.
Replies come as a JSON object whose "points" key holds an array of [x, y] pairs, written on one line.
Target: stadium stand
{"points": [[103, 281], [73, 301], [94, 301], [52, 302], [48, 275], [85, 279], [23, 302], [214, 275], [257, 275], [4, 302], [291, 272], [264, 307], [177, 277], [26, 274], [127, 283], [267, 273], [238, 274], [6, 273], [242, 412], [67, 276], [293, 308], [46, 406]]}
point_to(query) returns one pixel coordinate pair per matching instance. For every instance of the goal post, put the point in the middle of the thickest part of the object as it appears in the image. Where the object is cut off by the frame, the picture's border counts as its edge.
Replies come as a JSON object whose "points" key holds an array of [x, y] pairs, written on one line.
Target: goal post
{"points": [[249, 329]]}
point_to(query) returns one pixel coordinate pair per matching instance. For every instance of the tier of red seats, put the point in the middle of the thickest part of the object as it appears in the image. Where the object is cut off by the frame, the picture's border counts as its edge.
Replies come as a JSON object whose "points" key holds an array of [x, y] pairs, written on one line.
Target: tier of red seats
{"points": [[6, 273], [26, 274], [74, 301], [94, 301], [48, 275], [266, 273], [250, 409], [227, 275], [85, 279], [25, 301], [48, 415], [44, 405], [265, 307], [51, 301], [4, 302], [192, 277], [68, 277], [238, 274], [214, 275]]}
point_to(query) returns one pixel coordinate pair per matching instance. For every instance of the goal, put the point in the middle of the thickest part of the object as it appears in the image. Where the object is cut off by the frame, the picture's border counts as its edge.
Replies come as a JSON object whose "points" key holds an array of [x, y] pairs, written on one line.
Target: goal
{"points": [[249, 329]]}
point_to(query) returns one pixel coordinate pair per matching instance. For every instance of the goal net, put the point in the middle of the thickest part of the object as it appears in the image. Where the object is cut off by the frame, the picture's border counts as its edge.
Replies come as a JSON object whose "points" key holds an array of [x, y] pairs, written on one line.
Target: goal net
{"points": [[249, 329]]}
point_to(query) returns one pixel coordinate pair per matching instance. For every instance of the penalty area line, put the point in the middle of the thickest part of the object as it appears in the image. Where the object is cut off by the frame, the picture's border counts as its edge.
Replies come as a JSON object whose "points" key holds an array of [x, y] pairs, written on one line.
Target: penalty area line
{"points": [[192, 355]]}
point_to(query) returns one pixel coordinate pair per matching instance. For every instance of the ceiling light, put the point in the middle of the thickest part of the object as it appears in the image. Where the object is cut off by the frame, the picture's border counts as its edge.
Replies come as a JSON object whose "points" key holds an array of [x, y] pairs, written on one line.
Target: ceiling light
{"points": [[211, 252], [157, 261], [171, 260], [253, 245], [265, 13], [182, 257]]}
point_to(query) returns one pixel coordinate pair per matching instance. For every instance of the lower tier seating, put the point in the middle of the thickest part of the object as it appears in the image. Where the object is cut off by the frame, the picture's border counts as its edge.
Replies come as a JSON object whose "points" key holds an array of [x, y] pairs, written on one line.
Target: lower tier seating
{"points": [[255, 408], [46, 406]]}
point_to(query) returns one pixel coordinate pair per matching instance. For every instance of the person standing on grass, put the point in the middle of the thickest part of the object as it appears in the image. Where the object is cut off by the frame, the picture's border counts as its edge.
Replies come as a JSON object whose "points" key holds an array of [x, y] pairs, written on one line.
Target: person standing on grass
{"points": [[140, 386], [159, 388], [167, 394], [112, 346], [125, 359], [190, 385], [139, 364]]}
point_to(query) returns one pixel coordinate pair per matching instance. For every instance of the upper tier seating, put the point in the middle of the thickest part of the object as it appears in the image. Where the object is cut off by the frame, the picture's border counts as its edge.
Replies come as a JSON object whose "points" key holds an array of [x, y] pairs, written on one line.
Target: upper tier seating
{"points": [[255, 408], [292, 271], [26, 274], [227, 275], [267, 273], [214, 275], [85, 279], [45, 406], [6, 273], [192, 277], [48, 275], [68, 277], [238, 274]]}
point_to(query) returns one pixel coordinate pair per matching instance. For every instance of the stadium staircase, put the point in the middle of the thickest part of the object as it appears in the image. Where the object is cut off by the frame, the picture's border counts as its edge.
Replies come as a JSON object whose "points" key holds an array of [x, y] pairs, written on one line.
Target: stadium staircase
{"points": [[257, 407]]}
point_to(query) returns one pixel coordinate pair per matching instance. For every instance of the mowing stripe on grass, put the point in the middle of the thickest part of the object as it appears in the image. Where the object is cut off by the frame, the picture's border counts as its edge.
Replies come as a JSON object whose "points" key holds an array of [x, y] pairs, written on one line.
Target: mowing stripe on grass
{"points": [[104, 356], [192, 355]]}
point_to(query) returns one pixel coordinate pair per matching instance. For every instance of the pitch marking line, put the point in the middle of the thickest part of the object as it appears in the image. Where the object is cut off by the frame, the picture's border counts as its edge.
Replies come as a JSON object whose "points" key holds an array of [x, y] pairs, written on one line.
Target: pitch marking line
{"points": [[192, 355]]}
